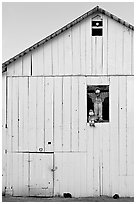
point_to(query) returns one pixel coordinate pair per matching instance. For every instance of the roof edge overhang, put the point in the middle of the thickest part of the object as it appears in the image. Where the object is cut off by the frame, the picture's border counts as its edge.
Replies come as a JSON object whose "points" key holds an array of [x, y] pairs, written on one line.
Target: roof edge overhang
{"points": [[64, 28]]}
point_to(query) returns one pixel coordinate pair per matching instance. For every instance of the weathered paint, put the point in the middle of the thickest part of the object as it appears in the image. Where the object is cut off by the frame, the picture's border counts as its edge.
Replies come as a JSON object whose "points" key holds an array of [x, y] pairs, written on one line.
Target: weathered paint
{"points": [[44, 116]]}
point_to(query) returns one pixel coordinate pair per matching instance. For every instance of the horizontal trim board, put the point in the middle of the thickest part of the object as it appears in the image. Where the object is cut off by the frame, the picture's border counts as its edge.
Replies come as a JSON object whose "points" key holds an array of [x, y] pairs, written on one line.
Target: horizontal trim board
{"points": [[32, 152], [116, 75]]}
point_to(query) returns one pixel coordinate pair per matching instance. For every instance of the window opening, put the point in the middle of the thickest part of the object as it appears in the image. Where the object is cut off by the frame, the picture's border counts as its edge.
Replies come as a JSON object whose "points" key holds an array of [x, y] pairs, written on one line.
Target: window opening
{"points": [[97, 103], [97, 26]]}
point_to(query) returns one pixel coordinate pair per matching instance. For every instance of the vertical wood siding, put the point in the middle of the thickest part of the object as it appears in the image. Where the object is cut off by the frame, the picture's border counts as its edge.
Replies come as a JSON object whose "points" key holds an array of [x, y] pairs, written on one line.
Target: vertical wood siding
{"points": [[47, 109]]}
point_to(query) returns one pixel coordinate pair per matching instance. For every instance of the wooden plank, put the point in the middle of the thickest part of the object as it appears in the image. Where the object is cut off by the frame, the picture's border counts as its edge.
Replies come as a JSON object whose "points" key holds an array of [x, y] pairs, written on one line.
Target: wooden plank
{"points": [[114, 137], [18, 67], [26, 114], [15, 113], [127, 51], [75, 114], [130, 125], [37, 61], [55, 59], [112, 47], [58, 114], [40, 114], [21, 97], [61, 54], [9, 132], [66, 113], [25, 176], [76, 49], [26, 65], [11, 69], [83, 47], [15, 174], [32, 137], [83, 188], [122, 124], [119, 49], [89, 160], [93, 55], [132, 52], [67, 52], [48, 114], [99, 54], [88, 47], [47, 59], [106, 190], [4, 132], [82, 114], [105, 45], [96, 167]]}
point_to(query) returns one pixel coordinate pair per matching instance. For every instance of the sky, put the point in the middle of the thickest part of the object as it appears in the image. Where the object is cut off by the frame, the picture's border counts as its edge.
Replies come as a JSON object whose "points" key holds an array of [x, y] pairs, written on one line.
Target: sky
{"points": [[25, 23]]}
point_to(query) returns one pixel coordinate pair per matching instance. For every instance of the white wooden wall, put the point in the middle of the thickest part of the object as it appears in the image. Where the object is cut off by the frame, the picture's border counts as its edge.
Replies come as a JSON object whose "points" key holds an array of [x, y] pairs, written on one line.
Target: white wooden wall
{"points": [[53, 109], [45, 109]]}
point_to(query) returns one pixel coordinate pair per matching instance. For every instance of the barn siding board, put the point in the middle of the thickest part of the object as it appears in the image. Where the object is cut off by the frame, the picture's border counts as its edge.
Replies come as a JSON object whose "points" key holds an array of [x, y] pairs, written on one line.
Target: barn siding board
{"points": [[76, 49], [67, 52], [119, 50], [74, 113], [55, 59], [58, 114], [32, 114], [26, 114], [114, 137], [4, 131], [18, 67], [122, 124], [82, 114], [61, 54], [37, 61], [89, 161], [83, 48], [48, 114], [66, 113], [47, 50], [15, 115], [26, 65], [112, 45], [127, 51], [132, 53], [40, 114], [130, 126], [105, 159], [88, 50], [11, 69], [105, 45]]}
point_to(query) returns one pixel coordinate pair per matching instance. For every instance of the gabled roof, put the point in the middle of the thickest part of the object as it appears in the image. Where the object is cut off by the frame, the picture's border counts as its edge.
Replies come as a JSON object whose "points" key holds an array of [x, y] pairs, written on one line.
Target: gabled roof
{"points": [[69, 25]]}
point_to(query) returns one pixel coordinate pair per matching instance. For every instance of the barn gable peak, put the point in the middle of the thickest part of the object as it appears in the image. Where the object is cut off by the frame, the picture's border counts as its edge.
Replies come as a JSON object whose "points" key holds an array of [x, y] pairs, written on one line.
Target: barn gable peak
{"points": [[66, 27]]}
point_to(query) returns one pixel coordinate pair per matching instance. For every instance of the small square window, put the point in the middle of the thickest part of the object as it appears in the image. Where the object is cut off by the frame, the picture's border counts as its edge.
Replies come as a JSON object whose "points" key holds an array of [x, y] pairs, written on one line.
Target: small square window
{"points": [[98, 103], [96, 31]]}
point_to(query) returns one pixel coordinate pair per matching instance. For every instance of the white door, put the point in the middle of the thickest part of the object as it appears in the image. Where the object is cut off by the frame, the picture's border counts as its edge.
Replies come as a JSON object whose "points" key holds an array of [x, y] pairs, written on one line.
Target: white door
{"points": [[41, 174]]}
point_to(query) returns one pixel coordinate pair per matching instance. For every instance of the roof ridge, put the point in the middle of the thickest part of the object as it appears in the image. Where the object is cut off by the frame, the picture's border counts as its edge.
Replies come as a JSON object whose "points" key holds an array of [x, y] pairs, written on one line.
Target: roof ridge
{"points": [[67, 26]]}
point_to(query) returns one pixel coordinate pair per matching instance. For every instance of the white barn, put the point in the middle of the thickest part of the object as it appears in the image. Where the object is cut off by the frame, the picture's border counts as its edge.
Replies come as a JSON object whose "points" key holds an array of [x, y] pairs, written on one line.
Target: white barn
{"points": [[49, 148]]}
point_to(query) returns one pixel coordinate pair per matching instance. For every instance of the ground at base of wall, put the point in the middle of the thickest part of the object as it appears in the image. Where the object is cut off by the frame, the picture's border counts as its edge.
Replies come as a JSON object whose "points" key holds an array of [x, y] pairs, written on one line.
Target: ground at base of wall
{"points": [[59, 199]]}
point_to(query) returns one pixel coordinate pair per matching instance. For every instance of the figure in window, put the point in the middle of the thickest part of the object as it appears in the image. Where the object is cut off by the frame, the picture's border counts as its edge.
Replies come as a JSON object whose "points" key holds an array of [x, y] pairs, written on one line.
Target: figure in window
{"points": [[98, 99]]}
